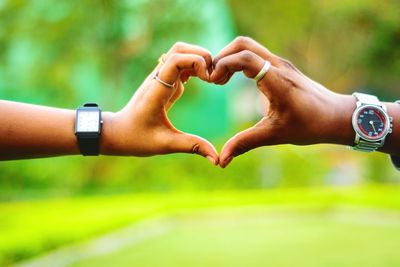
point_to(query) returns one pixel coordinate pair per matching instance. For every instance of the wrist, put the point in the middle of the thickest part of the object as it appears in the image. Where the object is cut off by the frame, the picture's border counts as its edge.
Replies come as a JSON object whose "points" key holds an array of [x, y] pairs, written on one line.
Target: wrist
{"points": [[340, 129], [108, 144], [392, 142]]}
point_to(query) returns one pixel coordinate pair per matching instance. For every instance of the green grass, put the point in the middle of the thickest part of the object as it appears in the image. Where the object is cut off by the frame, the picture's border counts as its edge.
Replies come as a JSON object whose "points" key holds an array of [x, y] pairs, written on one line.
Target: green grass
{"points": [[284, 238], [30, 228]]}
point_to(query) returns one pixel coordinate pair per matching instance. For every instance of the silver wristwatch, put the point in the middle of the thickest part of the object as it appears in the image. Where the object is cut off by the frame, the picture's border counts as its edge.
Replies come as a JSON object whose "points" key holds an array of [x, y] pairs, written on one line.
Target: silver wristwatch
{"points": [[371, 123]]}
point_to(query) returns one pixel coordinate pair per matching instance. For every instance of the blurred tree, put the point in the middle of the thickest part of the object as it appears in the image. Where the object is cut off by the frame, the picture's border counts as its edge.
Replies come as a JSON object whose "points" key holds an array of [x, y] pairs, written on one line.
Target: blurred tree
{"points": [[345, 44]]}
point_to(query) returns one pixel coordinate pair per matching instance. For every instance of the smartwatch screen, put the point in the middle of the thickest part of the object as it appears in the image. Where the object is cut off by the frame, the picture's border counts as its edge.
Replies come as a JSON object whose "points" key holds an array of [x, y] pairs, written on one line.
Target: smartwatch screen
{"points": [[88, 121]]}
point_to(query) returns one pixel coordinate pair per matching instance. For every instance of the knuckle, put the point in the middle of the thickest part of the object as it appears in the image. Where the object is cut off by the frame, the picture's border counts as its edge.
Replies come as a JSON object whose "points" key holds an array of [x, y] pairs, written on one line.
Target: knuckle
{"points": [[288, 80], [163, 141], [197, 61], [282, 83], [174, 57], [241, 41], [276, 130], [178, 46], [195, 149], [198, 58], [287, 64], [208, 58], [218, 63], [246, 56]]}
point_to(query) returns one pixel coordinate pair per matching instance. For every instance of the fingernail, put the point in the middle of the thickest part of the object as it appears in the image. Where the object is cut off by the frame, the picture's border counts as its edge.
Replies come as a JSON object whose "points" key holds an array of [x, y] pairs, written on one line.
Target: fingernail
{"points": [[211, 159]]}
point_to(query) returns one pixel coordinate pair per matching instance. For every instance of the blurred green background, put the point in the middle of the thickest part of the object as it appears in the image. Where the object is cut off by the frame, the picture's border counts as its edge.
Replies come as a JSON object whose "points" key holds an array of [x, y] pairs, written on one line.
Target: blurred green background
{"points": [[279, 206]]}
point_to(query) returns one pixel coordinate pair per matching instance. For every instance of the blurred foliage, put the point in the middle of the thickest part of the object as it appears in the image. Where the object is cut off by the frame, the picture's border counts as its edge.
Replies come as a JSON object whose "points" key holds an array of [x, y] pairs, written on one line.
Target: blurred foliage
{"points": [[71, 52], [283, 166], [64, 53], [84, 49], [345, 44]]}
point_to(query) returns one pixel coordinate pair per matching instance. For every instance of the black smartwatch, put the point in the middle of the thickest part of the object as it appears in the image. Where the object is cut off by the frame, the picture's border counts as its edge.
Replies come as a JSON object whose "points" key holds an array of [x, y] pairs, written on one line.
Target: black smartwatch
{"points": [[88, 128]]}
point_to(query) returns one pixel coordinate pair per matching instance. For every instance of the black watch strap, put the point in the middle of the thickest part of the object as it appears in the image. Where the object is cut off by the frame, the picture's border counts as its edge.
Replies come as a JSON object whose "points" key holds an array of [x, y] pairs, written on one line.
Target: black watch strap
{"points": [[89, 142], [88, 145]]}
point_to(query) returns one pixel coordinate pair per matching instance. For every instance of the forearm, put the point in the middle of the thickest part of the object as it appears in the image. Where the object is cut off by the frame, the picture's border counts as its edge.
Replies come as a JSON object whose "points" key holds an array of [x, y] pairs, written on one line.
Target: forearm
{"points": [[32, 131]]}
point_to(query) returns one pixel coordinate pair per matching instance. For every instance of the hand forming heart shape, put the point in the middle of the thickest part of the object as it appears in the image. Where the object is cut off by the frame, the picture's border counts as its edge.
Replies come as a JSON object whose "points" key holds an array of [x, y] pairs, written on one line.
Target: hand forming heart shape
{"points": [[300, 111]]}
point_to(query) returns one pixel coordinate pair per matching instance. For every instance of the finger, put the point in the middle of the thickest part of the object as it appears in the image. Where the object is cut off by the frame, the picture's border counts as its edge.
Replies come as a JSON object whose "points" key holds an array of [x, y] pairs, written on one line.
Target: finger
{"points": [[188, 143], [185, 48], [225, 78], [185, 76], [246, 61], [245, 43], [256, 136], [171, 70], [178, 63], [176, 95]]}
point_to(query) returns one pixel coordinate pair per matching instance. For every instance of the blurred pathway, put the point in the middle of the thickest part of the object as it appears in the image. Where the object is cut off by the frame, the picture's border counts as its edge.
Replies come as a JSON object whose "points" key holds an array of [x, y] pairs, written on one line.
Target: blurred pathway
{"points": [[104, 245]]}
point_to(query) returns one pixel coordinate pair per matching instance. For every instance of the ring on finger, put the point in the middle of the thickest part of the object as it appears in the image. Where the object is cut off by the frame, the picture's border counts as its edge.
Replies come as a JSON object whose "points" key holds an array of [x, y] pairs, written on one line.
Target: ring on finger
{"points": [[157, 78], [263, 71]]}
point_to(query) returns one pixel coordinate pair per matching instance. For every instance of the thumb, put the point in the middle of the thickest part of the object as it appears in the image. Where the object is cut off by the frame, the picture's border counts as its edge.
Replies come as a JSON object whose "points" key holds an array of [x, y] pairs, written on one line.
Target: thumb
{"points": [[244, 141], [188, 143]]}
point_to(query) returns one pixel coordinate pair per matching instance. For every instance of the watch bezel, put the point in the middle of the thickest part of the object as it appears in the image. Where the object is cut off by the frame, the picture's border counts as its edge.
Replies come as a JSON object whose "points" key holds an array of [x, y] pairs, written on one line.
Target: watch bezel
{"points": [[360, 133], [92, 133]]}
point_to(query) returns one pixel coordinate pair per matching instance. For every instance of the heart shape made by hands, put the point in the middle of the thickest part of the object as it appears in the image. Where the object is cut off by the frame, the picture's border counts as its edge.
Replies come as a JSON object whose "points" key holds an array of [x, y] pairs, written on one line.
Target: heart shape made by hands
{"points": [[291, 96], [188, 64]]}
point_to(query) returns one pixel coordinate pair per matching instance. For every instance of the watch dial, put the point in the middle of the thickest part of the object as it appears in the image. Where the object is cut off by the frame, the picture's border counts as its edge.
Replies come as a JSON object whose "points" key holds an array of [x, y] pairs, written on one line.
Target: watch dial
{"points": [[88, 121], [372, 122]]}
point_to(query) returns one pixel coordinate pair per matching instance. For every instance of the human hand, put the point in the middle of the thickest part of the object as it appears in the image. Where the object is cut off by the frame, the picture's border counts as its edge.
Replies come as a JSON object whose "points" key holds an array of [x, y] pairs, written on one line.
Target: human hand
{"points": [[300, 111], [142, 127]]}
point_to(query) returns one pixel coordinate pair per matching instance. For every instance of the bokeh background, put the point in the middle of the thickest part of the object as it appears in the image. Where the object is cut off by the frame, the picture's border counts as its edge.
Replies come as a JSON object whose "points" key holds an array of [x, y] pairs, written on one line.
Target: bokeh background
{"points": [[318, 205]]}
